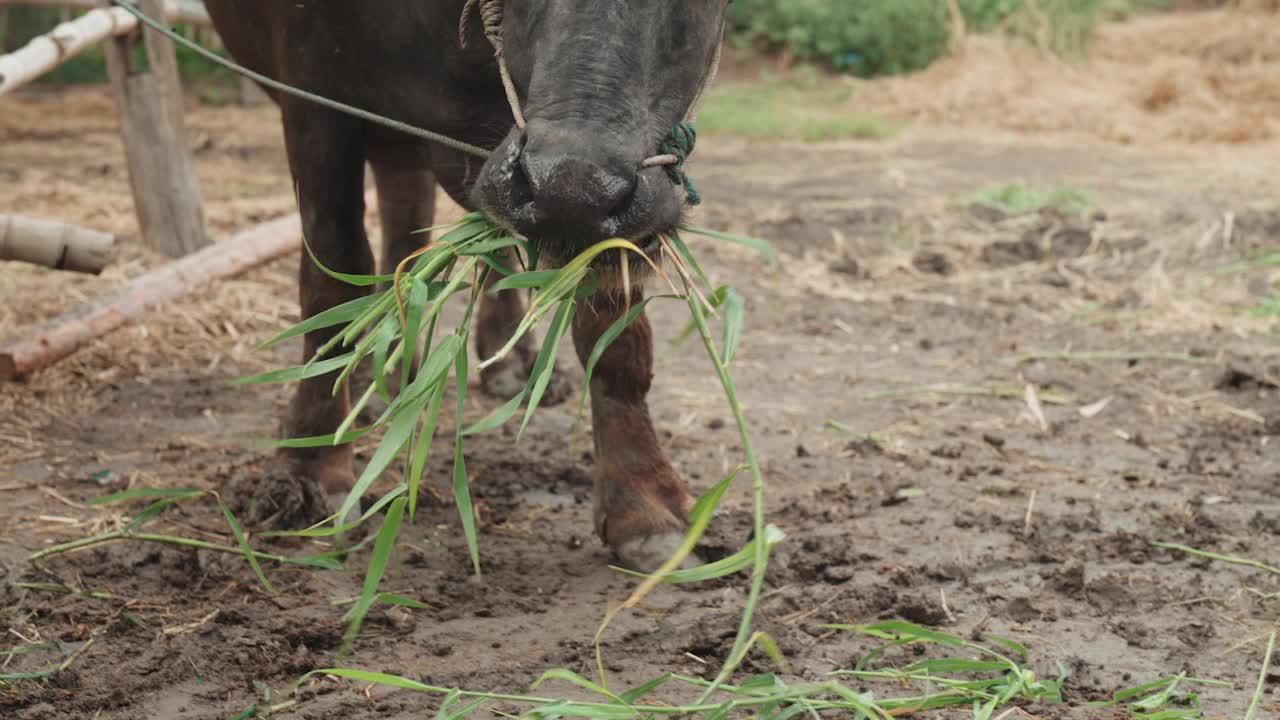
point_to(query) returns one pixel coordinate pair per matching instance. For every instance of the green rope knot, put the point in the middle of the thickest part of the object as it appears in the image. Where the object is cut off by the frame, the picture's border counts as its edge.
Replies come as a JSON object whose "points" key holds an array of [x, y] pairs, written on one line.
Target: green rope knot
{"points": [[680, 143]]}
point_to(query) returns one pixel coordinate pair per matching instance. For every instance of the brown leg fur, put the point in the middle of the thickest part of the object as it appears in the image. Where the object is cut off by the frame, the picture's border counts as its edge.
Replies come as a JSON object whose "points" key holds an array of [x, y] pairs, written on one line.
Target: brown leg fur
{"points": [[640, 502], [328, 162], [406, 199], [406, 204]]}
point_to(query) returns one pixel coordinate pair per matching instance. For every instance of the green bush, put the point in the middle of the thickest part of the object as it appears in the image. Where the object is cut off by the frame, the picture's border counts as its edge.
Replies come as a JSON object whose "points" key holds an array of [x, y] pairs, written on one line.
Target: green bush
{"points": [[869, 38], [884, 37]]}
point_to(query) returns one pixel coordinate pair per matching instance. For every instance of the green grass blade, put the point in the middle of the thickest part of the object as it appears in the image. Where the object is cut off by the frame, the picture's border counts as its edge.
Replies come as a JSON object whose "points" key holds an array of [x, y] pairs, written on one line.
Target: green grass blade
{"points": [[466, 231], [373, 576], [909, 630], [734, 305], [419, 294], [1262, 679], [466, 710], [602, 344], [323, 529], [499, 416], [10, 677], [381, 345], [294, 374], [344, 313], [545, 364], [489, 246], [35, 647], [741, 560], [374, 677], [531, 279], [146, 494], [243, 542], [763, 247], [358, 327], [344, 428], [422, 447], [716, 300], [1232, 559], [461, 484], [682, 248], [316, 440], [771, 649], [706, 504], [400, 601], [1018, 649], [151, 511], [435, 368], [348, 278], [573, 677], [384, 598], [393, 442], [638, 693], [956, 665], [362, 349], [449, 700]]}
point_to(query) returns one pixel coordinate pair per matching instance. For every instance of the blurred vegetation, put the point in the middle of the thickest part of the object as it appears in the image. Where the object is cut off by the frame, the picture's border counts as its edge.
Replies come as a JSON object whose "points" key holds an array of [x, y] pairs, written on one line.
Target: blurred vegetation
{"points": [[879, 37], [802, 105], [863, 37], [1020, 198]]}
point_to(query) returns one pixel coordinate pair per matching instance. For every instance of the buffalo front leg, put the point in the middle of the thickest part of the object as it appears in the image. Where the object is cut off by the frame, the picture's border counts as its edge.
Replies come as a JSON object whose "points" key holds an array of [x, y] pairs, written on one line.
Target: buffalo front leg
{"points": [[406, 206], [406, 200], [640, 503], [327, 162]]}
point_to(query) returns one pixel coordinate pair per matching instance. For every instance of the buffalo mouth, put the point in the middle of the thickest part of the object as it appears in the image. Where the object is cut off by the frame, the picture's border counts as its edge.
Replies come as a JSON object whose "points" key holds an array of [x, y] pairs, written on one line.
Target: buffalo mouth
{"points": [[650, 209]]}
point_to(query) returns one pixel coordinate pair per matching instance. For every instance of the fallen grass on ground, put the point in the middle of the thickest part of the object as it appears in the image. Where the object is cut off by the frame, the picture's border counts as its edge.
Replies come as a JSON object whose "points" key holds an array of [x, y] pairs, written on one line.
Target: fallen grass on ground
{"points": [[797, 106], [992, 677], [891, 681]]}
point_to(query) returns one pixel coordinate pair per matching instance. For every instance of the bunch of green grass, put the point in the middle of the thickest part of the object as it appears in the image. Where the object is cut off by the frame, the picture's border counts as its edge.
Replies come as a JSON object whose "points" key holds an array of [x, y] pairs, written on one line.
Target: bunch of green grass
{"points": [[384, 330]]}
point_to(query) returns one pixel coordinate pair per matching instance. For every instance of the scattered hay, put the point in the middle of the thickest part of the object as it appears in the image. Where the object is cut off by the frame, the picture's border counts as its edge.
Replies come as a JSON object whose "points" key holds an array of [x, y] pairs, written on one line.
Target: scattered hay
{"points": [[1206, 76]]}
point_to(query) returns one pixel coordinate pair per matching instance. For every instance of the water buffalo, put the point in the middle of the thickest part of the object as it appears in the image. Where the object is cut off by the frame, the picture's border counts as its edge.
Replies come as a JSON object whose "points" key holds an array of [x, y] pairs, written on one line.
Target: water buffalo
{"points": [[601, 82]]}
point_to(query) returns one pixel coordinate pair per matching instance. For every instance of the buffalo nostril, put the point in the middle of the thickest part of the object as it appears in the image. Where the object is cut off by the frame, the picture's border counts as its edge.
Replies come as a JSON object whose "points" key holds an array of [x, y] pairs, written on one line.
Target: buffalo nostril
{"points": [[575, 191]]}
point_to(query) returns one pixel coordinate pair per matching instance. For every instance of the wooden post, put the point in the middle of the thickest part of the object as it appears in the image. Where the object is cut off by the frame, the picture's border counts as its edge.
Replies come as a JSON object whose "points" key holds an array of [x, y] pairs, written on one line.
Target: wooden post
{"points": [[148, 101]]}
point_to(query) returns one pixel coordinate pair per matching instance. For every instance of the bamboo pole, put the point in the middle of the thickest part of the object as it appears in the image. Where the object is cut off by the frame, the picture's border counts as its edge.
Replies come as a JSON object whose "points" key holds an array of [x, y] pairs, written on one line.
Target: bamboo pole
{"points": [[68, 39], [54, 244], [45, 52], [178, 11]]}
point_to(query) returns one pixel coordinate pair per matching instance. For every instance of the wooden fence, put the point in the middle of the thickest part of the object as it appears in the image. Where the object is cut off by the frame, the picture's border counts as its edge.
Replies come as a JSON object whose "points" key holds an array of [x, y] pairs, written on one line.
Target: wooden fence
{"points": [[166, 195]]}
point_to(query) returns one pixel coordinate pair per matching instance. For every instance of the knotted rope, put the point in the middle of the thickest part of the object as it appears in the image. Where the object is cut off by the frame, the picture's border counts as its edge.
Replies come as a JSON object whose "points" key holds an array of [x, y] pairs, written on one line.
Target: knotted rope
{"points": [[679, 145], [673, 151]]}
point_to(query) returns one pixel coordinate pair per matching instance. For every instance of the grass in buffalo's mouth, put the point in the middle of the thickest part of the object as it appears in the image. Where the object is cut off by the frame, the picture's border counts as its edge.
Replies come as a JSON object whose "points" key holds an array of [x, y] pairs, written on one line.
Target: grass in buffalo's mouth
{"points": [[383, 329]]}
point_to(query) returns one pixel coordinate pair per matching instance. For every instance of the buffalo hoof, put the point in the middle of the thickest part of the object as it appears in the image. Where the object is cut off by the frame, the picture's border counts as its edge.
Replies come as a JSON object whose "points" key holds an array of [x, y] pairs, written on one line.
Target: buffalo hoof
{"points": [[506, 379], [647, 553], [643, 522]]}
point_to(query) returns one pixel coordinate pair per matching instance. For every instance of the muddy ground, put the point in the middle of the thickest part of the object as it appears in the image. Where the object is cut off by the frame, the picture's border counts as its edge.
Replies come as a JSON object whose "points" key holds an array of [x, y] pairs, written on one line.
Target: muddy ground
{"points": [[889, 285]]}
